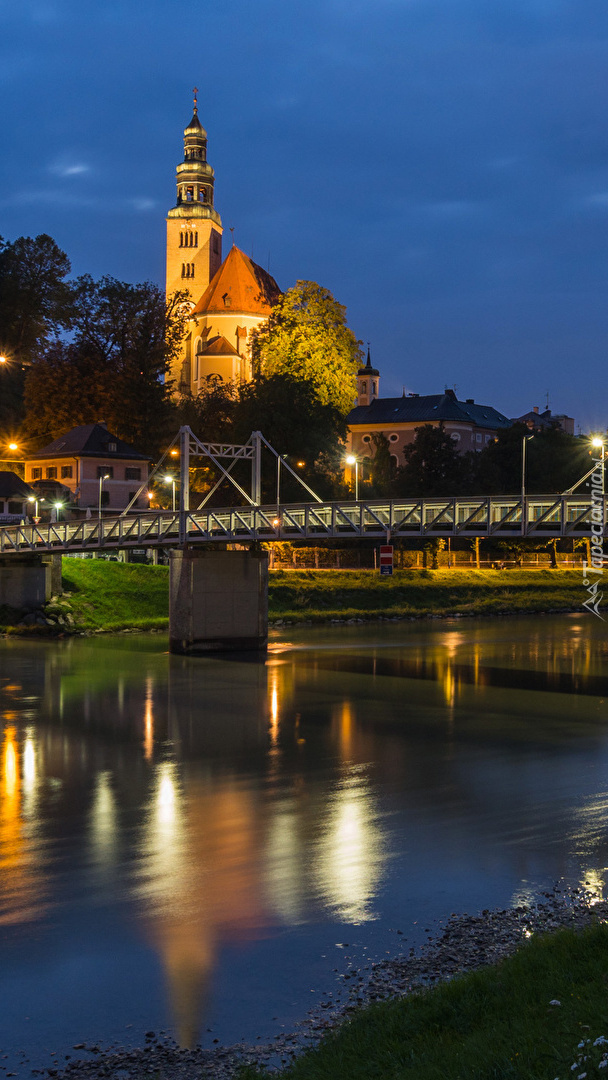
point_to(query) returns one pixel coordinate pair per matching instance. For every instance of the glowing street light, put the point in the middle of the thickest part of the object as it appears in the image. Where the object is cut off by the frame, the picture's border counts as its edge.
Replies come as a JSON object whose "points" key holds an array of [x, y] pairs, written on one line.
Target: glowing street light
{"points": [[58, 507], [352, 460], [171, 480], [106, 476], [599, 444], [35, 500]]}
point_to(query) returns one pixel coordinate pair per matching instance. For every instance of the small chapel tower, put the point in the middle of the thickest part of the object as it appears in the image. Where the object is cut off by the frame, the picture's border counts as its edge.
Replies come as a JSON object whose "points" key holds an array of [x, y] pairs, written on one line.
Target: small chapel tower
{"points": [[368, 379], [194, 227]]}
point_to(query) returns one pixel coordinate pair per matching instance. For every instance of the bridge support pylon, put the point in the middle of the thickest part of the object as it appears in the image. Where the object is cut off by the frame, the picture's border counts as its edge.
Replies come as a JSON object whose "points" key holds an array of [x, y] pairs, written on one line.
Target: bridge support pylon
{"points": [[218, 601], [26, 581]]}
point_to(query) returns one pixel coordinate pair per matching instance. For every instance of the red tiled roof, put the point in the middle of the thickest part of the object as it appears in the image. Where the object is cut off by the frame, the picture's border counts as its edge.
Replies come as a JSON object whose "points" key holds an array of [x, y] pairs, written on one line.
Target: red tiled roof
{"points": [[240, 285]]}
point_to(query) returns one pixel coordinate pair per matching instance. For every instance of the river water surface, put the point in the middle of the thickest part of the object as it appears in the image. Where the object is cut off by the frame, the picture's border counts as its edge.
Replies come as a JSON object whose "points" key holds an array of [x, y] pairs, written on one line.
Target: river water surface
{"points": [[201, 846]]}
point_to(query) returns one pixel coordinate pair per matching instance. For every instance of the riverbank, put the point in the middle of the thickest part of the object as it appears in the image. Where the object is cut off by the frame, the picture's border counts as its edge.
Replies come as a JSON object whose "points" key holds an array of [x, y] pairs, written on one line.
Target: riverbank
{"points": [[508, 993], [111, 596]]}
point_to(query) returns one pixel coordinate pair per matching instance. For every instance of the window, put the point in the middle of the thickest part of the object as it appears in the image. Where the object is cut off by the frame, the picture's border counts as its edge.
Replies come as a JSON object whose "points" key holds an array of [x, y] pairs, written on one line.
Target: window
{"points": [[112, 447], [51, 472], [366, 438], [196, 239], [181, 239], [478, 437], [393, 438], [132, 473], [488, 437], [105, 498], [364, 387], [66, 472], [455, 435], [36, 474], [15, 507], [105, 470], [189, 194], [374, 387]]}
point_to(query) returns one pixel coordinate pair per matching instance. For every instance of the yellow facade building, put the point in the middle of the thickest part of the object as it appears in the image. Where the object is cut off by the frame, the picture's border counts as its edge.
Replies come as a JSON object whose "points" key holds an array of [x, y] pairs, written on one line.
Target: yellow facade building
{"points": [[229, 299]]}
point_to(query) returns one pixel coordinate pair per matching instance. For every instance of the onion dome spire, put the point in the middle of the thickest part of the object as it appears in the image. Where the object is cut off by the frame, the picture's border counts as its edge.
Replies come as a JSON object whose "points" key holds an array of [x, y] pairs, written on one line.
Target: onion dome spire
{"points": [[367, 368]]}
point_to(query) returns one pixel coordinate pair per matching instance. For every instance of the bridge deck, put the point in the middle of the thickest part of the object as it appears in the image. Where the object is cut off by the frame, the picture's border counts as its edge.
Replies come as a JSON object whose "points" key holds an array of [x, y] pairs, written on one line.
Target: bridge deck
{"points": [[545, 516]]}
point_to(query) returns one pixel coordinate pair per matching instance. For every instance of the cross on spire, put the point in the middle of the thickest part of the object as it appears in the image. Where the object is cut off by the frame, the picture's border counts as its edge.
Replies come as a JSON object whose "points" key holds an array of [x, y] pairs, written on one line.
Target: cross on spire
{"points": [[195, 92]]}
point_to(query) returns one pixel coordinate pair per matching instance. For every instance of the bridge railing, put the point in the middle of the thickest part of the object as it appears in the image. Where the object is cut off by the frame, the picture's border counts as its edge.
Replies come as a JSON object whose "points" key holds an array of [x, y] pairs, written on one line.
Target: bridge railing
{"points": [[542, 516]]}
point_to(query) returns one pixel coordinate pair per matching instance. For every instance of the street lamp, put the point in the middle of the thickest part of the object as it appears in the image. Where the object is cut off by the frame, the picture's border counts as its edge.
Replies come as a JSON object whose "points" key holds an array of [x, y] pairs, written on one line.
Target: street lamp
{"points": [[280, 458], [171, 480], [58, 506], [525, 440], [352, 460], [599, 444], [106, 476], [35, 500]]}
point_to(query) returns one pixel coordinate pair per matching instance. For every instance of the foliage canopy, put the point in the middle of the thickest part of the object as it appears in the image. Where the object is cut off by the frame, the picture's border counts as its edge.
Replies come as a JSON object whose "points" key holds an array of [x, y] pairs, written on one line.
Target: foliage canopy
{"points": [[306, 338]]}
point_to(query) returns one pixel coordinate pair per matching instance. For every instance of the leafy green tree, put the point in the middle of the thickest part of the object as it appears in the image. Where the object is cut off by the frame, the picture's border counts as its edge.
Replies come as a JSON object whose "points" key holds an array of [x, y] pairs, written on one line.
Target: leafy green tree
{"points": [[306, 338], [433, 465], [34, 306], [114, 369], [382, 468], [554, 461]]}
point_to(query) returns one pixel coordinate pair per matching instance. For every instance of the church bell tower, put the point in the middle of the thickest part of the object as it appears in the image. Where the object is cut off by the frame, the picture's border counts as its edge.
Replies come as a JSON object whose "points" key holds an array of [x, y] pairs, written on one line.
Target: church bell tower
{"points": [[194, 227]]}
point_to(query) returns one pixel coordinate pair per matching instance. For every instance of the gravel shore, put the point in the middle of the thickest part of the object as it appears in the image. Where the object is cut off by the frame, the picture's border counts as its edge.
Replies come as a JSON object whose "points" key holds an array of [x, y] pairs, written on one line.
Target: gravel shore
{"points": [[463, 943]]}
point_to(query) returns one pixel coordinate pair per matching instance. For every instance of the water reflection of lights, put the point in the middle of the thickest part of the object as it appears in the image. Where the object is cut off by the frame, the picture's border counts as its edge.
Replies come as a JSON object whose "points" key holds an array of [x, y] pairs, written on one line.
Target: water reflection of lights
{"points": [[594, 882], [163, 848], [351, 850], [274, 706], [10, 764], [104, 819], [149, 719], [283, 871]]}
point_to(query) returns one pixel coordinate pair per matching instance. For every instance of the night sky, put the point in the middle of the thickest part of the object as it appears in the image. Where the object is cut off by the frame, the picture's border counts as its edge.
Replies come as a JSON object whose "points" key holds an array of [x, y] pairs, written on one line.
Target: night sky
{"points": [[440, 165]]}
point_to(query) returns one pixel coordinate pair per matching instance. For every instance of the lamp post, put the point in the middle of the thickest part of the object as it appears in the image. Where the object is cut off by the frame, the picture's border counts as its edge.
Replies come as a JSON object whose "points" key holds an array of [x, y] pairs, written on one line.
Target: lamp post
{"points": [[352, 460], [58, 507], [280, 458], [171, 480], [599, 444], [106, 476], [525, 440], [35, 501]]}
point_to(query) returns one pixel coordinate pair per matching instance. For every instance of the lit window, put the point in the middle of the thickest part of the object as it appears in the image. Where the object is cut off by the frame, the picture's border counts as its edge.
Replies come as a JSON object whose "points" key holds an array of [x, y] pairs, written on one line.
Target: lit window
{"points": [[478, 437]]}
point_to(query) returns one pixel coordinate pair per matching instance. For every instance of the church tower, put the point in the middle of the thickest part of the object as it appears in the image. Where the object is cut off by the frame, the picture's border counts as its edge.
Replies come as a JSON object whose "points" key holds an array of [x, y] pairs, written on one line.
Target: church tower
{"points": [[194, 227]]}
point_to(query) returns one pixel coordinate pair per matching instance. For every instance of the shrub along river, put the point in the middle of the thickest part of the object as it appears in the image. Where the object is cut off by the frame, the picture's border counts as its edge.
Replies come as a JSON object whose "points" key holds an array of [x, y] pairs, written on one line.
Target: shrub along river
{"points": [[199, 846]]}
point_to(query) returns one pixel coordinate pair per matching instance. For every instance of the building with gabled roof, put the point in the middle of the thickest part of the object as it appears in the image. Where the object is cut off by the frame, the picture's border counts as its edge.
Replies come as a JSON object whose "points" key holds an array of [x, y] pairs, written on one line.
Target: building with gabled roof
{"points": [[470, 425], [229, 299], [15, 495], [72, 466]]}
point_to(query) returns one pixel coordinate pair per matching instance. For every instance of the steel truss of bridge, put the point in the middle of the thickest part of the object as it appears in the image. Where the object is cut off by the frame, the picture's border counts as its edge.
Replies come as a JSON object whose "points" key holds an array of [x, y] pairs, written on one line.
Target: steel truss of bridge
{"points": [[543, 517]]}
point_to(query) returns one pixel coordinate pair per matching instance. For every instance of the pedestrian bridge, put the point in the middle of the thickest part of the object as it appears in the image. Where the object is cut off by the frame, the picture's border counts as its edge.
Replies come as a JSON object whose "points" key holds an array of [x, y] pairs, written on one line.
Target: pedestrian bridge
{"points": [[541, 517]]}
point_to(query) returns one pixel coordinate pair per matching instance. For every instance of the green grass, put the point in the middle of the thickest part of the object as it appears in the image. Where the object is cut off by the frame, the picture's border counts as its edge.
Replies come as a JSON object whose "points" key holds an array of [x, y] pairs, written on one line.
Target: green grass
{"points": [[493, 1024], [113, 596], [317, 596]]}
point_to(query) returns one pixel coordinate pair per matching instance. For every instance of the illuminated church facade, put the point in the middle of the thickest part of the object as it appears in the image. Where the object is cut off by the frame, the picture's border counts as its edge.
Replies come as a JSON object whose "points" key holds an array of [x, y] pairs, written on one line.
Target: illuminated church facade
{"points": [[229, 298]]}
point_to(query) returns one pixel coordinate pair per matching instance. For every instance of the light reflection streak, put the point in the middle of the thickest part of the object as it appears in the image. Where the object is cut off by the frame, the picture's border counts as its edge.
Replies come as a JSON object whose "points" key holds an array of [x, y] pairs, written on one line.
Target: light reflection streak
{"points": [[104, 820], [351, 851], [149, 719], [20, 876]]}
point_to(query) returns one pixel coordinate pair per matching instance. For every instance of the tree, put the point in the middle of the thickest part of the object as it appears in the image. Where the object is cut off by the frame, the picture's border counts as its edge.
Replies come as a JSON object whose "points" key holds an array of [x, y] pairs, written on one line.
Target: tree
{"points": [[114, 369], [34, 306], [382, 468], [306, 338], [433, 465], [554, 461]]}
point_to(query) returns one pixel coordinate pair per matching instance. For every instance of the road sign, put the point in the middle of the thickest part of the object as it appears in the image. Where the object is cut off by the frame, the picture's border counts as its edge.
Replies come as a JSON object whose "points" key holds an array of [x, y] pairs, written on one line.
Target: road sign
{"points": [[386, 560]]}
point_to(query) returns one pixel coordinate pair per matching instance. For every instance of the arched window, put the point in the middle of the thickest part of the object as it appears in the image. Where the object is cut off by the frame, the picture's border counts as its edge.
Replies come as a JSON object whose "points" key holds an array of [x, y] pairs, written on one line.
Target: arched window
{"points": [[196, 239], [183, 269], [374, 388], [364, 387], [191, 269], [181, 239]]}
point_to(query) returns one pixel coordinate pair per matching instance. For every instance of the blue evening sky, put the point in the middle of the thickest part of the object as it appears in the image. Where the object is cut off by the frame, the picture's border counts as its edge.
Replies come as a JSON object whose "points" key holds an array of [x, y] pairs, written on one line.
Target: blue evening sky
{"points": [[440, 165]]}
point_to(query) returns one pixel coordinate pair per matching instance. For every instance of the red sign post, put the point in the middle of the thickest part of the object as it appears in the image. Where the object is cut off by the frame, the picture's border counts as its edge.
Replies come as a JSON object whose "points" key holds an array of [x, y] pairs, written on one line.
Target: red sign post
{"points": [[386, 560]]}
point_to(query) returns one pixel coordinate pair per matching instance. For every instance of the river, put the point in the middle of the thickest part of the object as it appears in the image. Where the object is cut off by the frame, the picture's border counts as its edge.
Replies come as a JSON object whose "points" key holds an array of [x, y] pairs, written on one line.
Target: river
{"points": [[201, 846]]}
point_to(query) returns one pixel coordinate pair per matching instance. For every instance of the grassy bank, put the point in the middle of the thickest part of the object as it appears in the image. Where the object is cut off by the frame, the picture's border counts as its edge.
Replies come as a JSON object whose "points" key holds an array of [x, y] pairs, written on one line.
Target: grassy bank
{"points": [[498, 1022], [102, 595], [316, 596]]}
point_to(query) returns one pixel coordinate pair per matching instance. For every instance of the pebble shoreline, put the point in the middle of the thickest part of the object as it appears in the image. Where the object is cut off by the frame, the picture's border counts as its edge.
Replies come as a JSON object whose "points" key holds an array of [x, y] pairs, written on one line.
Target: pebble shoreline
{"points": [[464, 943]]}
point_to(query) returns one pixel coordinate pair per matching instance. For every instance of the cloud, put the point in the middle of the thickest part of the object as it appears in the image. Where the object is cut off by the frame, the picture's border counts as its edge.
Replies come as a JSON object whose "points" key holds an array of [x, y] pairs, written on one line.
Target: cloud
{"points": [[143, 204], [66, 169]]}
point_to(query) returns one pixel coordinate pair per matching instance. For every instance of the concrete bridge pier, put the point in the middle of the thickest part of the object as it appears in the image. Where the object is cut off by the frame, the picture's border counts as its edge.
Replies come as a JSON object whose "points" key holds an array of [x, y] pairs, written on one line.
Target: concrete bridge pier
{"points": [[26, 580], [218, 600]]}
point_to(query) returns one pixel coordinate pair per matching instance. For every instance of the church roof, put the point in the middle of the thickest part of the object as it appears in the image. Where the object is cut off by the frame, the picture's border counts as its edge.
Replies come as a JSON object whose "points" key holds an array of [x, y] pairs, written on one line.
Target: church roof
{"points": [[240, 285], [88, 440], [425, 409], [219, 346]]}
